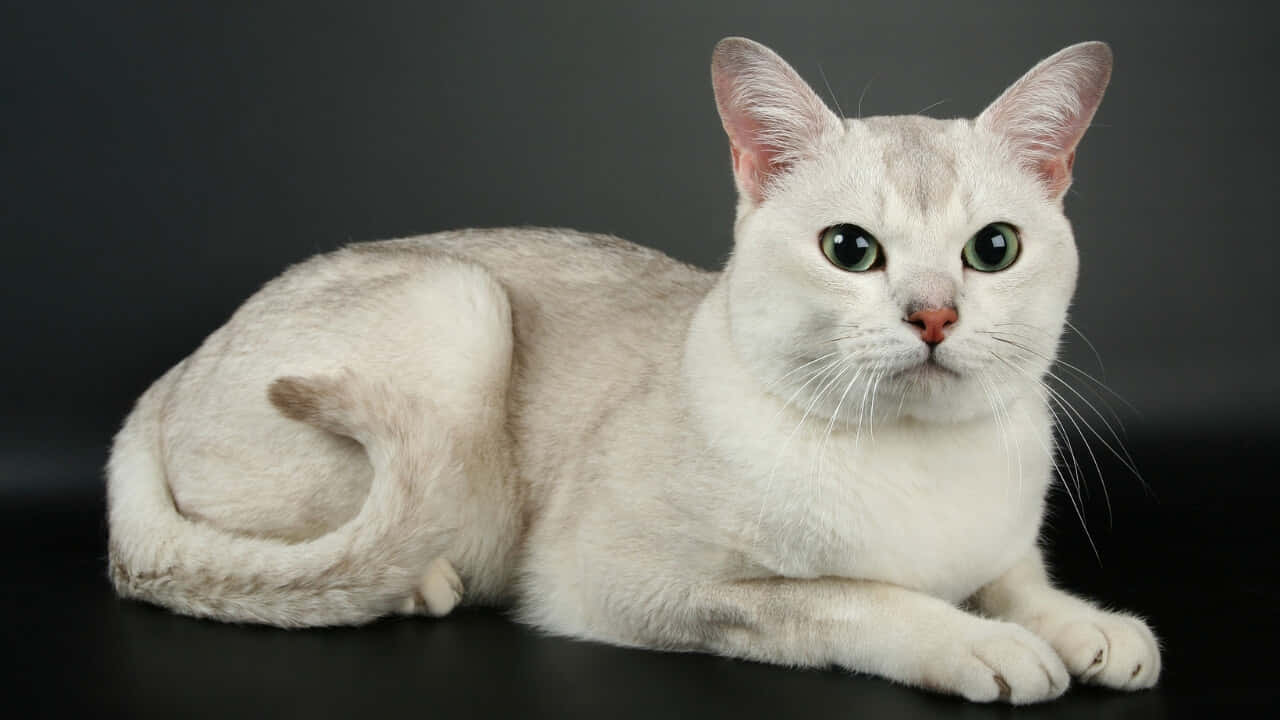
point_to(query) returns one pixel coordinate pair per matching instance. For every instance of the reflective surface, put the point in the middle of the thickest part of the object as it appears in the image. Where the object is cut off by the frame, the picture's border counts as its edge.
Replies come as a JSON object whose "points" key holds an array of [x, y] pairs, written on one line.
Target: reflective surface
{"points": [[1195, 565]]}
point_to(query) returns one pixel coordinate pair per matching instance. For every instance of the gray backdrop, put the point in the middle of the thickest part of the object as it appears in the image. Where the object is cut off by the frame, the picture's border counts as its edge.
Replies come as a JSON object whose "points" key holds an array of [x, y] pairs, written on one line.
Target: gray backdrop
{"points": [[161, 162]]}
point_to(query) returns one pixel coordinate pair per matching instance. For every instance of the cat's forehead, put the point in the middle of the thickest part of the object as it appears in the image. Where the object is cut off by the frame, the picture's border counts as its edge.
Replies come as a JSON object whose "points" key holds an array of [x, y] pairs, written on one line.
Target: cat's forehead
{"points": [[916, 156]]}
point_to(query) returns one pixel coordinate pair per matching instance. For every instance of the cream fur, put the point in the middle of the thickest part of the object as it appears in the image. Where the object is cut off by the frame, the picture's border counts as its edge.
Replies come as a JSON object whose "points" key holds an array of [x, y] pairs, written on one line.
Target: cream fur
{"points": [[753, 462]]}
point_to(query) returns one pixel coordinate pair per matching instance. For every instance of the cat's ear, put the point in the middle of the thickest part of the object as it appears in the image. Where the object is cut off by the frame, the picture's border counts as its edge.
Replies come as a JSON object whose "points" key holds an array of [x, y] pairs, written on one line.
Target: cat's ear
{"points": [[773, 118], [1045, 113]]}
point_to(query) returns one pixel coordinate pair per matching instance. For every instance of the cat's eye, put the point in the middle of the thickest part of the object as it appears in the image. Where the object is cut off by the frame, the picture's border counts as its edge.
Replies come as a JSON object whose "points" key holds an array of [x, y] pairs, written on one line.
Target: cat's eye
{"points": [[851, 248], [992, 248]]}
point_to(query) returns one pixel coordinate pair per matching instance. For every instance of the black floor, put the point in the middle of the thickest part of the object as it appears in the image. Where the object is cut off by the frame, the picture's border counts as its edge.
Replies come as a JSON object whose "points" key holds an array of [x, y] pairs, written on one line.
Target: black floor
{"points": [[1196, 558]]}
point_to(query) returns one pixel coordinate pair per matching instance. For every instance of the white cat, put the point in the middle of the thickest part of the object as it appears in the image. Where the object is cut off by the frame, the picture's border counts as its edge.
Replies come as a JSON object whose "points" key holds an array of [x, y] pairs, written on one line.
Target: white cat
{"points": [[813, 457]]}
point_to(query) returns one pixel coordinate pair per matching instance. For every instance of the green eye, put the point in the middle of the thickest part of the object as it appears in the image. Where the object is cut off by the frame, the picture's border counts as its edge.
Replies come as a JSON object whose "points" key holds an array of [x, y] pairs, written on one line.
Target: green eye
{"points": [[851, 248], [992, 248]]}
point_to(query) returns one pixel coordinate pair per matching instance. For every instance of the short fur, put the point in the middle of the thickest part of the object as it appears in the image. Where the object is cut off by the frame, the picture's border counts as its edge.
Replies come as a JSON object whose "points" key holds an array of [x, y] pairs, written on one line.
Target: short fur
{"points": [[765, 462]]}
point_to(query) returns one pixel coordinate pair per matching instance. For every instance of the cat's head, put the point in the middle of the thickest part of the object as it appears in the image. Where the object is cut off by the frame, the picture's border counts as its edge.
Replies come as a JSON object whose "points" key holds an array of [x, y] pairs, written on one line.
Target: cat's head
{"points": [[924, 265]]}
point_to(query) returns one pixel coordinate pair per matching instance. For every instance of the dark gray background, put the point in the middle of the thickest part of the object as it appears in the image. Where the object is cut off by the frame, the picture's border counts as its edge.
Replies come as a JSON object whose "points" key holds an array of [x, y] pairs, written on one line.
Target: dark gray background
{"points": [[160, 162]]}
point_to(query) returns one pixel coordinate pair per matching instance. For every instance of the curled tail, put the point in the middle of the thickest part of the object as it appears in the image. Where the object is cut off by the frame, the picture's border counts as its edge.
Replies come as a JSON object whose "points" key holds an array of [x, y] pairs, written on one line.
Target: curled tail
{"points": [[358, 572]]}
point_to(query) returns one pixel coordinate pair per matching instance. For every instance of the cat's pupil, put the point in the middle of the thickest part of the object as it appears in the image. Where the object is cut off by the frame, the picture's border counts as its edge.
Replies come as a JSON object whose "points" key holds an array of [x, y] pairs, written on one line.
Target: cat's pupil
{"points": [[851, 245], [991, 247]]}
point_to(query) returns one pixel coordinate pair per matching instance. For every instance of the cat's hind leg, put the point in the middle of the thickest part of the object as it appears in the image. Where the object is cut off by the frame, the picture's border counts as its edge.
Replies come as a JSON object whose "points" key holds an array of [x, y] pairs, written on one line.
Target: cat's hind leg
{"points": [[343, 431]]}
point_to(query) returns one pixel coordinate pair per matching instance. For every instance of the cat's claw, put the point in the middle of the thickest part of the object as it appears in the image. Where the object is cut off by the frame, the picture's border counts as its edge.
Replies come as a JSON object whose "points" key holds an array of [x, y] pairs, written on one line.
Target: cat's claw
{"points": [[1108, 649], [1002, 662]]}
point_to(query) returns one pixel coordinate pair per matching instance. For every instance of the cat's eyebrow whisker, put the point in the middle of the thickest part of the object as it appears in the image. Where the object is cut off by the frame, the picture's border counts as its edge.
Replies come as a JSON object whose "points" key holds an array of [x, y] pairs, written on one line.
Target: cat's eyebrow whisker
{"points": [[863, 94], [927, 108], [832, 93]]}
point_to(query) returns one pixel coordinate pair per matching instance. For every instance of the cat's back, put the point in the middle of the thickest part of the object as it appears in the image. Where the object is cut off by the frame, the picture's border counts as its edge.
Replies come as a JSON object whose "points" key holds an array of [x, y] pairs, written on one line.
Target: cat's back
{"points": [[560, 283], [555, 268], [580, 303], [588, 311]]}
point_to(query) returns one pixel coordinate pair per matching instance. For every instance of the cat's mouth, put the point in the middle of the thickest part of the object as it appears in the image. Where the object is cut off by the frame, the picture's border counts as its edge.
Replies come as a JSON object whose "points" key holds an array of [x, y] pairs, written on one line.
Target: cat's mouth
{"points": [[929, 367]]}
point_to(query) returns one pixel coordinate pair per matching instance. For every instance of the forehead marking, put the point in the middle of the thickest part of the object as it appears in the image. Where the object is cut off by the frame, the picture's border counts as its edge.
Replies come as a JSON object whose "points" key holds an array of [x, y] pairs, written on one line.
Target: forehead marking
{"points": [[917, 167]]}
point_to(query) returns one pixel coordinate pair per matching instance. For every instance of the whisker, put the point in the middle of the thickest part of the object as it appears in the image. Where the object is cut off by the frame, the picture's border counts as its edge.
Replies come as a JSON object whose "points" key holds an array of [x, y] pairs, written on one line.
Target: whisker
{"points": [[1096, 354], [822, 448], [995, 414], [927, 108], [1053, 397], [842, 365], [830, 92], [1073, 415], [1125, 458], [1067, 365], [799, 368], [863, 94]]}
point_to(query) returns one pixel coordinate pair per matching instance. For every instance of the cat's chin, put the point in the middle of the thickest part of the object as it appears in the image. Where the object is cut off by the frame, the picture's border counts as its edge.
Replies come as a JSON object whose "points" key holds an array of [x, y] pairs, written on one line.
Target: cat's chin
{"points": [[932, 391]]}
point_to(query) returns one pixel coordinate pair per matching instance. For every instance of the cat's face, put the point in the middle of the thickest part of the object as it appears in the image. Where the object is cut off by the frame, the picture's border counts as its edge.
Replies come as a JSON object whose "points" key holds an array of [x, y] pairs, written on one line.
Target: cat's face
{"points": [[857, 280]]}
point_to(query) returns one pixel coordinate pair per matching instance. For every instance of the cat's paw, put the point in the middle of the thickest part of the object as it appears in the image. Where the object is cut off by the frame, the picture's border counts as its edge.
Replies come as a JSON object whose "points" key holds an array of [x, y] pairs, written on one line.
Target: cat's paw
{"points": [[1109, 649], [999, 661], [441, 588], [438, 593]]}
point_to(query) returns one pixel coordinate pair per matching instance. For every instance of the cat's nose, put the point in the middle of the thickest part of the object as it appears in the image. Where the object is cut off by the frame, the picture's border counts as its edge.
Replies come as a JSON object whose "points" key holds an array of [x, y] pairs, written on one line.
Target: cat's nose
{"points": [[933, 322]]}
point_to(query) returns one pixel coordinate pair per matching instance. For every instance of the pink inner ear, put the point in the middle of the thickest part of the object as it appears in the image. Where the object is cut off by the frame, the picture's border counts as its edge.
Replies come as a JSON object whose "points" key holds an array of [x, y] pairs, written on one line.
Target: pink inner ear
{"points": [[771, 116], [1056, 172], [1046, 112], [756, 161], [753, 163]]}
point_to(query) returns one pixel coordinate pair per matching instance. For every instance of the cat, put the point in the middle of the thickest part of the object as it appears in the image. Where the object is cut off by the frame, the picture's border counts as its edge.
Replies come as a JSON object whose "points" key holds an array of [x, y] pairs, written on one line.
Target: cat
{"points": [[836, 451]]}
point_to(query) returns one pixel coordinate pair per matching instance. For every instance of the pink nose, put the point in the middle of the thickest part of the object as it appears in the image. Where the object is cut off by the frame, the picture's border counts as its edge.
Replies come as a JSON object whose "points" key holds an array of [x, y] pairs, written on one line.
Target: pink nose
{"points": [[933, 322]]}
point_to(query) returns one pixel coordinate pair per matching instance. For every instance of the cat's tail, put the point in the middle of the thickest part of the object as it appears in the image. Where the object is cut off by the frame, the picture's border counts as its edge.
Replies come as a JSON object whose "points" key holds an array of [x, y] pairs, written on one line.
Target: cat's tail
{"points": [[358, 572]]}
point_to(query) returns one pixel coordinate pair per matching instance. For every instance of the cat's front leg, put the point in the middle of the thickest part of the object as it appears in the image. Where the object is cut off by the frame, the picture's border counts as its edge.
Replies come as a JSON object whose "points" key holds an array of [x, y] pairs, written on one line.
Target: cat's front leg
{"points": [[1098, 646], [881, 629]]}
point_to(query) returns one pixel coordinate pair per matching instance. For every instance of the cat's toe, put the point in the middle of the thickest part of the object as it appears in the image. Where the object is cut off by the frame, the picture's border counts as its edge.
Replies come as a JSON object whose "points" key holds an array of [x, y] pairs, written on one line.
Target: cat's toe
{"points": [[1111, 650], [1083, 648], [1004, 663]]}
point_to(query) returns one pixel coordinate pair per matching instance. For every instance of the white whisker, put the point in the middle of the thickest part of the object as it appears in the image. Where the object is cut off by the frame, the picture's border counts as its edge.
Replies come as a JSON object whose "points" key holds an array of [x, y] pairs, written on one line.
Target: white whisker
{"points": [[1076, 503]]}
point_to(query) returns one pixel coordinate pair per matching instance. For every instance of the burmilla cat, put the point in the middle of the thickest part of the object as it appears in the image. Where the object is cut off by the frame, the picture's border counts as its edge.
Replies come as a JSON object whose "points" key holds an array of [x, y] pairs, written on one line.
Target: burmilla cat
{"points": [[823, 454]]}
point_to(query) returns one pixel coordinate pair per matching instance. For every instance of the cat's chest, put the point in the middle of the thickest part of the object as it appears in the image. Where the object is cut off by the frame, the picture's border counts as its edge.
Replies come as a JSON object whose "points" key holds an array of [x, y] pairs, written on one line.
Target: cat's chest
{"points": [[941, 513]]}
